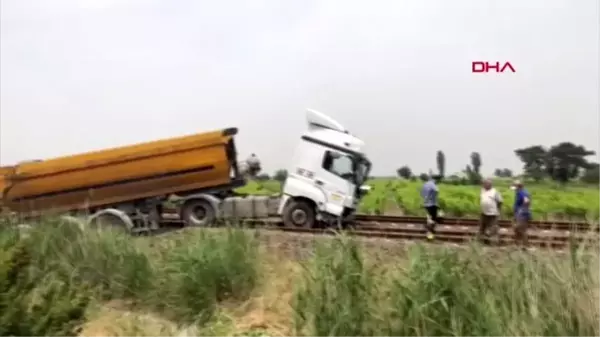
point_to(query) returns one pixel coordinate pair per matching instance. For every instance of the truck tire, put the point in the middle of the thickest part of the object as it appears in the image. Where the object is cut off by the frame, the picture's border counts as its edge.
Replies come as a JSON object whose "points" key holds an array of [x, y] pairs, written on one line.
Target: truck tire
{"points": [[299, 214], [198, 213], [108, 222]]}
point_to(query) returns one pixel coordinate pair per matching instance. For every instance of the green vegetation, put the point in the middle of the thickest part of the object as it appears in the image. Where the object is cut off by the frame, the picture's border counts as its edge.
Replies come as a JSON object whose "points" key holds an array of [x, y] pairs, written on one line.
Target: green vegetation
{"points": [[550, 200], [439, 292], [51, 276], [57, 279]]}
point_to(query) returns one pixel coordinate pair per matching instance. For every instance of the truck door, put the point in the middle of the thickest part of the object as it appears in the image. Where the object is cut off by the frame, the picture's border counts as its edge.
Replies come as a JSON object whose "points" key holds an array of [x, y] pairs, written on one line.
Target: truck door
{"points": [[336, 180]]}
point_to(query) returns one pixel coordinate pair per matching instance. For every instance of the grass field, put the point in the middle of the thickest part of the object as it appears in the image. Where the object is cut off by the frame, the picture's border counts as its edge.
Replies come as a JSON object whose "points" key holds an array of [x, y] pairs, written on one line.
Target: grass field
{"points": [[550, 201], [56, 279]]}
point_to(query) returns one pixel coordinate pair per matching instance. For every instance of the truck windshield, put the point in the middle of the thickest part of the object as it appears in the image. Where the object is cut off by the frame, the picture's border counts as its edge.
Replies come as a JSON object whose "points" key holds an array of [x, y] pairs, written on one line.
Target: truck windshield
{"points": [[363, 167]]}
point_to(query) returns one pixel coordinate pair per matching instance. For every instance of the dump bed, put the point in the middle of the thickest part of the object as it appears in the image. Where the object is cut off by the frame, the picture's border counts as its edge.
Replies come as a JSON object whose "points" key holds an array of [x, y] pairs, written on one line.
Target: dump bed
{"points": [[4, 170], [124, 174]]}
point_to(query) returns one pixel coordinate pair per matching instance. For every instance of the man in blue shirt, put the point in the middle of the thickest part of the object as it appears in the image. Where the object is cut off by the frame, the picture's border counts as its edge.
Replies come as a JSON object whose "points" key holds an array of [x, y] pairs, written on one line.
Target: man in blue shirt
{"points": [[522, 212], [429, 193]]}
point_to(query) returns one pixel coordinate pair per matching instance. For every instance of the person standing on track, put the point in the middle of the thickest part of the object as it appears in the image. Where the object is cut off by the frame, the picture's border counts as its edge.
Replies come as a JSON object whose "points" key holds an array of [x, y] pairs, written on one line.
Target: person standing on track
{"points": [[522, 212], [429, 193], [491, 204]]}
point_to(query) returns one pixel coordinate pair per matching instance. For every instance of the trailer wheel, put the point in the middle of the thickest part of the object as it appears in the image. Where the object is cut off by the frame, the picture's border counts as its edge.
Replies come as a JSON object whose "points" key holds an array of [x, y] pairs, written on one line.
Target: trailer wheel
{"points": [[299, 213], [198, 213], [108, 222]]}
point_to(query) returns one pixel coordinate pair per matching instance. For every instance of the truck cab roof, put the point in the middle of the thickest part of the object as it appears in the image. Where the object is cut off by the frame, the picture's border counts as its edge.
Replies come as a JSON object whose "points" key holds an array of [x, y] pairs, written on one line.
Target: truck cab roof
{"points": [[324, 130]]}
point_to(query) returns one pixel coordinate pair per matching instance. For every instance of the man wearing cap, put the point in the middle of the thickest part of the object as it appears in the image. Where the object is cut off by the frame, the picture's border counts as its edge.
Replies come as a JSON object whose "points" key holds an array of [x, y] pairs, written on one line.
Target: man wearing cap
{"points": [[491, 203], [429, 193], [522, 212]]}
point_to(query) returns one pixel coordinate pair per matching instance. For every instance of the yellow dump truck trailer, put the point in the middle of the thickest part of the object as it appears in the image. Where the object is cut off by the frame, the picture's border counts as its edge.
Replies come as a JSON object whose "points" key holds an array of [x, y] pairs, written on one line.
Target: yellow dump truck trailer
{"points": [[3, 171], [124, 178]]}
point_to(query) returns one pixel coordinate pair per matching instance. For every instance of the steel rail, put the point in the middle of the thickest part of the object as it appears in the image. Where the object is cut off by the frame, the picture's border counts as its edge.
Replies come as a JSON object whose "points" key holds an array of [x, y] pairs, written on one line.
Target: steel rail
{"points": [[547, 225], [456, 238]]}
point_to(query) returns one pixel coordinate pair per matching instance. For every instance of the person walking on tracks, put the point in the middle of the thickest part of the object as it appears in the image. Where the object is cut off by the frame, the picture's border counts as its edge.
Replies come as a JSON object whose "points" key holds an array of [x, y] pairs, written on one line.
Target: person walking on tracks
{"points": [[522, 213], [429, 193], [491, 205]]}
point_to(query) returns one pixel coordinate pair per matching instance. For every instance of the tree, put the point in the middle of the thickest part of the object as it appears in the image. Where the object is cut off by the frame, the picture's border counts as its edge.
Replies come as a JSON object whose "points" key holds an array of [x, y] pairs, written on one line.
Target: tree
{"points": [[424, 176], [503, 173], [562, 162], [565, 161], [455, 179], [263, 177], [404, 172], [441, 162], [591, 175], [472, 176], [534, 161], [476, 162], [472, 171], [280, 175]]}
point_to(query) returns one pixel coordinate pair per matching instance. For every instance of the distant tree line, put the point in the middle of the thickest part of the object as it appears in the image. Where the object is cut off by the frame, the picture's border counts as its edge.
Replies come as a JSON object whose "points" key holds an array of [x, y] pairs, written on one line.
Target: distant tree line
{"points": [[562, 163], [279, 175]]}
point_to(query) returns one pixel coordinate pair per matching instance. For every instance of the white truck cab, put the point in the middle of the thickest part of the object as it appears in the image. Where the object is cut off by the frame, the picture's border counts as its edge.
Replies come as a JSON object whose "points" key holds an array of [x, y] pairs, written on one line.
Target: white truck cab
{"points": [[326, 176]]}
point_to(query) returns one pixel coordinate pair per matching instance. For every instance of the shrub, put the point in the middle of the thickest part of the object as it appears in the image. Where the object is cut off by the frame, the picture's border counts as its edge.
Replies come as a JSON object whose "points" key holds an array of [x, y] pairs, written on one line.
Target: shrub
{"points": [[448, 292], [333, 299], [34, 306], [105, 260], [196, 275]]}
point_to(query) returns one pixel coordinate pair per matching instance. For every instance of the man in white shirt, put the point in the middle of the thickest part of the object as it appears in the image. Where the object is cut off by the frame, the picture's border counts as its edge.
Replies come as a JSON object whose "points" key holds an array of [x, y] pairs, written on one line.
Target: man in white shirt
{"points": [[491, 203]]}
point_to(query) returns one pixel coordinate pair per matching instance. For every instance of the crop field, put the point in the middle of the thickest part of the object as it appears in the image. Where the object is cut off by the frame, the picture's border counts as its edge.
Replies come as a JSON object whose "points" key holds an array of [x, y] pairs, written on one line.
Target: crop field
{"points": [[402, 197]]}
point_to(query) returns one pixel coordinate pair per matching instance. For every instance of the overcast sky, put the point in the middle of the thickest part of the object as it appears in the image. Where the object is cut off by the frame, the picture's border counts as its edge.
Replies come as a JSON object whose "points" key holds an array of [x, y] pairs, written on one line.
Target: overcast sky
{"points": [[83, 75]]}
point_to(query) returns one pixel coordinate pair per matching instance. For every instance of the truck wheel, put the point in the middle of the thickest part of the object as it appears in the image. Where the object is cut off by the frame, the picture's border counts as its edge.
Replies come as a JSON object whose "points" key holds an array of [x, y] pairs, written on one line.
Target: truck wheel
{"points": [[108, 222], [299, 214], [198, 213]]}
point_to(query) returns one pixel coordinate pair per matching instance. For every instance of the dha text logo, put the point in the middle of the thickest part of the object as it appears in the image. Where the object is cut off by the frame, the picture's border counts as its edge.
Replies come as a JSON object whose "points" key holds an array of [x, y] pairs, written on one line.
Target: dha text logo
{"points": [[486, 67]]}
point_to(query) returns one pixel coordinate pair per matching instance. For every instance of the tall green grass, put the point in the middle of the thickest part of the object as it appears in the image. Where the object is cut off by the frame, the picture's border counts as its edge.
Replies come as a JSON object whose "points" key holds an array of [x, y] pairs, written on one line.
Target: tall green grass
{"points": [[443, 292], [34, 302], [194, 277], [49, 276]]}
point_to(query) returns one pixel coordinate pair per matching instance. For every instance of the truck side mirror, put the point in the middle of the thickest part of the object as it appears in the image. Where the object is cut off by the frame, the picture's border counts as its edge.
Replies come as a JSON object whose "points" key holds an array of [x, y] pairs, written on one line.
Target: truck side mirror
{"points": [[364, 190]]}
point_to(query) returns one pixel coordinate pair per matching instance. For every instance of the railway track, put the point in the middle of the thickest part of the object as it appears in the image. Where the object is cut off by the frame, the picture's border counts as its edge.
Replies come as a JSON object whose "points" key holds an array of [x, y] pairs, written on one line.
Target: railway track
{"points": [[441, 237], [471, 222], [571, 226], [390, 228]]}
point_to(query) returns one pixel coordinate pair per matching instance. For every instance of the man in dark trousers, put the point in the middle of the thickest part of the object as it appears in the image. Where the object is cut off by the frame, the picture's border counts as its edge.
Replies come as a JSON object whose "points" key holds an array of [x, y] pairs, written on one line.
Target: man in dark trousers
{"points": [[429, 193], [522, 213], [491, 205]]}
